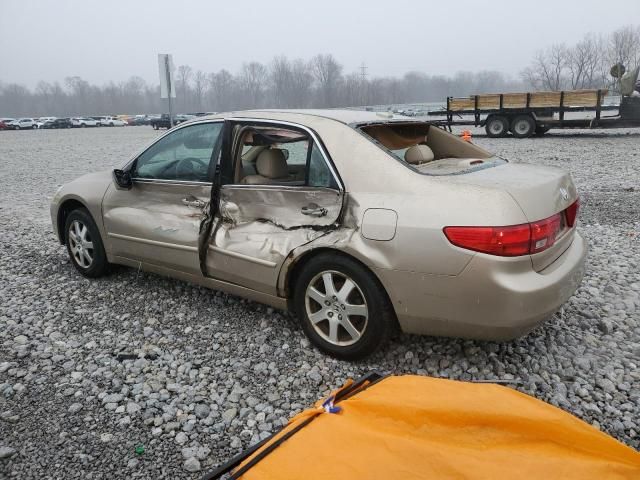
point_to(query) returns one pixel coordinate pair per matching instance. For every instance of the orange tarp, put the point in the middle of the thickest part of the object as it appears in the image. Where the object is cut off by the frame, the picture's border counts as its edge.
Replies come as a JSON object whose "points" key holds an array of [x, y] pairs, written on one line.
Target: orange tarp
{"points": [[412, 427]]}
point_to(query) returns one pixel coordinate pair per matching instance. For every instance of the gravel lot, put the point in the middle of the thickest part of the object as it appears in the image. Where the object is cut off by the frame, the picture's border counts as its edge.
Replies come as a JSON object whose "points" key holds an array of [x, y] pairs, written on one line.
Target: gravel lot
{"points": [[212, 373]]}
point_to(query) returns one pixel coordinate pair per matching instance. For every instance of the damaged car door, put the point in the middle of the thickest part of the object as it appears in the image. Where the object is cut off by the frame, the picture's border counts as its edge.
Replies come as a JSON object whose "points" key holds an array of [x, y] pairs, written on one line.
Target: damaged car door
{"points": [[157, 220], [282, 192]]}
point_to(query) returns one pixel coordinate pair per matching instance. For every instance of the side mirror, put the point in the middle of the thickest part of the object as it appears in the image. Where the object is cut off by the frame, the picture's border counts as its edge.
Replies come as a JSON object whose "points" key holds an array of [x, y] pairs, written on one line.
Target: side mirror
{"points": [[122, 179]]}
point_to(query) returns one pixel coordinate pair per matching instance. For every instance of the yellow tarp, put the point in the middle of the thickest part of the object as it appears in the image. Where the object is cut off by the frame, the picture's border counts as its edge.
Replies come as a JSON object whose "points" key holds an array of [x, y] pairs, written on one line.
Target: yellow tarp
{"points": [[410, 427]]}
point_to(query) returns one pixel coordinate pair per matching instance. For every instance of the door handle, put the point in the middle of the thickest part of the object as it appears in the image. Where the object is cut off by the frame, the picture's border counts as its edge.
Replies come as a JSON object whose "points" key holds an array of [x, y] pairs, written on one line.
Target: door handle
{"points": [[193, 202], [314, 210]]}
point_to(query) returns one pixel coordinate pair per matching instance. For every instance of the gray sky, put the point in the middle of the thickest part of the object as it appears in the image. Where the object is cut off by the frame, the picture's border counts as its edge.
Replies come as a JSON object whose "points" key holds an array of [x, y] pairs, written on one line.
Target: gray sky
{"points": [[113, 39]]}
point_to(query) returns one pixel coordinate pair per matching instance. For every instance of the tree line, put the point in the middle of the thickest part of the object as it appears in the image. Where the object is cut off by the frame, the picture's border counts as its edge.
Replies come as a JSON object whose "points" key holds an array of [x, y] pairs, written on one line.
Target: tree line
{"points": [[587, 64], [321, 82], [283, 83]]}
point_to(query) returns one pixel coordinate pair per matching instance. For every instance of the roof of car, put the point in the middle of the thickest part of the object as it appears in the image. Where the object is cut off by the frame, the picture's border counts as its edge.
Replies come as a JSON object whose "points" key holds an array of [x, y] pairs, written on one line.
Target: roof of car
{"points": [[346, 116]]}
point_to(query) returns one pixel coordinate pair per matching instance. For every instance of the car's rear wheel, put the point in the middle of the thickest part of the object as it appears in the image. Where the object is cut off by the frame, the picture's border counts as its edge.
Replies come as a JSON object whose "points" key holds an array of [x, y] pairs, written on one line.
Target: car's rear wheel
{"points": [[84, 244], [497, 126], [343, 308], [523, 126]]}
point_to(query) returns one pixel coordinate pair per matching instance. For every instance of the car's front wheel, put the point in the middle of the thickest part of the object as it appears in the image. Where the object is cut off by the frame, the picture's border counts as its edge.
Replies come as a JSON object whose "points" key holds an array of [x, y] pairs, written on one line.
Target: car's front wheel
{"points": [[343, 308], [84, 244]]}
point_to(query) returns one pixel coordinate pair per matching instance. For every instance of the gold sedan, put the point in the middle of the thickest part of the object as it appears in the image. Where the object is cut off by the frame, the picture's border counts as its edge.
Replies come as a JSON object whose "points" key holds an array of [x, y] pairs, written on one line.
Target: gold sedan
{"points": [[358, 222]]}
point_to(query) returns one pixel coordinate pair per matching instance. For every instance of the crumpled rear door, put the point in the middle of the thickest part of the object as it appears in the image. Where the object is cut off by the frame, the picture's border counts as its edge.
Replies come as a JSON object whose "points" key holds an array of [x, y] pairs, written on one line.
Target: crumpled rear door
{"points": [[256, 228]]}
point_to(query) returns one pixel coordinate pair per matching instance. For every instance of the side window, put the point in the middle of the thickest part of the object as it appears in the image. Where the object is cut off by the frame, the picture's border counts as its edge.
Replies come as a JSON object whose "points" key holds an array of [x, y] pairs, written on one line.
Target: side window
{"points": [[281, 156], [182, 155], [319, 173]]}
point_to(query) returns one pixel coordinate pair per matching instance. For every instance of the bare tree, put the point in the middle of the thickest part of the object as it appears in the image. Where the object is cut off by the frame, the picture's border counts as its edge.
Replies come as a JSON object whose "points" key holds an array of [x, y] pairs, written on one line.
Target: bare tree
{"points": [[327, 72], [548, 70], [281, 80], [624, 47], [221, 88], [253, 81], [584, 61], [199, 87], [184, 77], [301, 84]]}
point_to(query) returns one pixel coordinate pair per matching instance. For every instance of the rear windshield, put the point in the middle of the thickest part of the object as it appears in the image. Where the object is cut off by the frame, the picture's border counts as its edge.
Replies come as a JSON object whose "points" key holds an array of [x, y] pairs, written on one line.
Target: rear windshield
{"points": [[428, 149]]}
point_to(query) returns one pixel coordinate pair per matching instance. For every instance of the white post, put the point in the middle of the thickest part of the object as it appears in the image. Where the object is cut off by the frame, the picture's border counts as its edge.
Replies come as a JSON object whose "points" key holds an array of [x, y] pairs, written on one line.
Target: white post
{"points": [[169, 88]]}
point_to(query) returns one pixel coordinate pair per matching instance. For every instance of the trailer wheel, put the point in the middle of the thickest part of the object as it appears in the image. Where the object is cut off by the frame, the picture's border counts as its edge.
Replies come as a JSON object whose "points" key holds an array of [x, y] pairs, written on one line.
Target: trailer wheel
{"points": [[523, 126], [496, 126]]}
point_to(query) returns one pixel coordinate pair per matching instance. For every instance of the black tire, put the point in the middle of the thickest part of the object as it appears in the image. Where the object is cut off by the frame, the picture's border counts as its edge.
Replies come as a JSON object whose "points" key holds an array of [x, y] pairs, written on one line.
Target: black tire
{"points": [[33, 127], [542, 130], [497, 126], [98, 265], [523, 126], [374, 329]]}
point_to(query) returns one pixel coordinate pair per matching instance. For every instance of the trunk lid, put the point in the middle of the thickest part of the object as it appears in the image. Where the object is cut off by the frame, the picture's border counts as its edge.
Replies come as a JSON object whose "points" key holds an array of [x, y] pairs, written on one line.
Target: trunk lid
{"points": [[539, 191]]}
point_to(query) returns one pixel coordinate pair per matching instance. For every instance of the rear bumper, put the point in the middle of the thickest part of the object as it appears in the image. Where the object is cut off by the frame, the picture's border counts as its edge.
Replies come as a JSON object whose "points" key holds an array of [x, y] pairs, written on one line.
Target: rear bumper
{"points": [[492, 299]]}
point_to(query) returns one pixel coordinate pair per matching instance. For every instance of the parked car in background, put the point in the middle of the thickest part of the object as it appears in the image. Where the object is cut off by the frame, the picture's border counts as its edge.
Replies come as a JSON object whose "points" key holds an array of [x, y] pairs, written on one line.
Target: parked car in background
{"points": [[358, 223], [139, 120], [42, 120], [112, 122], [183, 117], [163, 121], [4, 122], [22, 124], [57, 123], [82, 122]]}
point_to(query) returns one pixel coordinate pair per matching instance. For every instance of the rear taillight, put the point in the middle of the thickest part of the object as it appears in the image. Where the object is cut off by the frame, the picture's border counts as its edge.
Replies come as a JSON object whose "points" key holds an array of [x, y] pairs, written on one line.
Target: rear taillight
{"points": [[544, 233], [509, 241], [572, 213], [513, 240]]}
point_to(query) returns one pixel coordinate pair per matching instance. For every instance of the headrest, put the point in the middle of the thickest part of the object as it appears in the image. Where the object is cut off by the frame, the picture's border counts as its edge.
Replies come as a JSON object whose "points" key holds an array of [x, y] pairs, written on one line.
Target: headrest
{"points": [[418, 154], [271, 163]]}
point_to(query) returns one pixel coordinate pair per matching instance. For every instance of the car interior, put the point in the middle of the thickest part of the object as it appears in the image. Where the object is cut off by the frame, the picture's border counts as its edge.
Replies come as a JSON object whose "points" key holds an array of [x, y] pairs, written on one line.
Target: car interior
{"points": [[271, 156], [427, 148]]}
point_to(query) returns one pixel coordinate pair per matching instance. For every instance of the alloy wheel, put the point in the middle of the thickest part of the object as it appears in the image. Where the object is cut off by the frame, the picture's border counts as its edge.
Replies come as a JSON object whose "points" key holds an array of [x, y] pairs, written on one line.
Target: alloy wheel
{"points": [[81, 244], [336, 308]]}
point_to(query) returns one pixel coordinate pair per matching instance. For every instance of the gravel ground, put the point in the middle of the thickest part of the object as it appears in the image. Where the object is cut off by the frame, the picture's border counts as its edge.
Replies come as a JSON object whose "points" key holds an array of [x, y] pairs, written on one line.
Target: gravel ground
{"points": [[91, 369]]}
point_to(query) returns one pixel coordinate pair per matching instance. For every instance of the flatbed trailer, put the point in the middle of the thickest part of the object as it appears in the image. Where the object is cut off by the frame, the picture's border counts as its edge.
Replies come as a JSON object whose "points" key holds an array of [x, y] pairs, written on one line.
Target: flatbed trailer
{"points": [[535, 113]]}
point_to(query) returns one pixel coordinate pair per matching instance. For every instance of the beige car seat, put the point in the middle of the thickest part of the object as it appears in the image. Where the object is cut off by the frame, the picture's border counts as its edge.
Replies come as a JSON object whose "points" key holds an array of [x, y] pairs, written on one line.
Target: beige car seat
{"points": [[271, 167], [418, 154]]}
